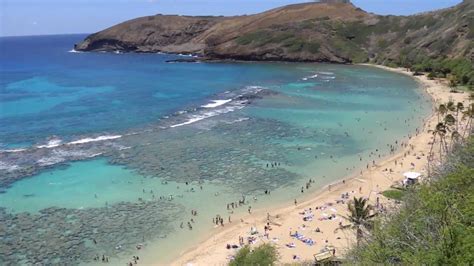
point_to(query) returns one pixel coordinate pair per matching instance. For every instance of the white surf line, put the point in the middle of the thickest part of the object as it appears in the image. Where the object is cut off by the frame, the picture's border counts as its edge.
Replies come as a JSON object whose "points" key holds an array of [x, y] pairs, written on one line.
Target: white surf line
{"points": [[87, 140], [216, 103]]}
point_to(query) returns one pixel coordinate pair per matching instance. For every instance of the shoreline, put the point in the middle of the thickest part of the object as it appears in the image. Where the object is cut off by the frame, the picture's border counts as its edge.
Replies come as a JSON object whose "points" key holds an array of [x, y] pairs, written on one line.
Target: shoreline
{"points": [[212, 250]]}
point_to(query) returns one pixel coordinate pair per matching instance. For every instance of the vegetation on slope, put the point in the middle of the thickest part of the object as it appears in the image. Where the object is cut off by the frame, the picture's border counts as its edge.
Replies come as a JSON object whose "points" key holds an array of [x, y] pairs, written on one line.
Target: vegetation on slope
{"points": [[434, 226], [265, 254], [334, 31], [459, 71]]}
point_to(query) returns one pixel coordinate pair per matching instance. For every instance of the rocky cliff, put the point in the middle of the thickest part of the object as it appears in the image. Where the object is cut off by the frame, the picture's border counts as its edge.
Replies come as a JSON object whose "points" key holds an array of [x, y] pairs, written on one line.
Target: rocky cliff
{"points": [[330, 31]]}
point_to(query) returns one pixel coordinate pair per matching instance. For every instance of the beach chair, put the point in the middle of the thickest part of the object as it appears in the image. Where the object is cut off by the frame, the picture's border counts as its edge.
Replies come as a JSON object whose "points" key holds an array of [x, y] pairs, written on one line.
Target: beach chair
{"points": [[326, 255], [323, 256]]}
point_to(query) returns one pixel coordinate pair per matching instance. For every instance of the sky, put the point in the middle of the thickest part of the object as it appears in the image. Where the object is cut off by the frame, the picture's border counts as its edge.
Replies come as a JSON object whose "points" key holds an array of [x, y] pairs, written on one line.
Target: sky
{"points": [[39, 17]]}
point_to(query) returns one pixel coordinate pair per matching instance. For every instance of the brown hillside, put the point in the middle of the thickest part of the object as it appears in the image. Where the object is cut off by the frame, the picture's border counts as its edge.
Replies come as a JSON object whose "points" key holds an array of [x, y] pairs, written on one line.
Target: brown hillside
{"points": [[333, 31]]}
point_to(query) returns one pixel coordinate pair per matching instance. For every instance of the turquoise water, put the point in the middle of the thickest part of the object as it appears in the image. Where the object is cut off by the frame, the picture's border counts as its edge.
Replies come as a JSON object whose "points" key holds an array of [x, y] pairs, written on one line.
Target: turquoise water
{"points": [[138, 143], [85, 184]]}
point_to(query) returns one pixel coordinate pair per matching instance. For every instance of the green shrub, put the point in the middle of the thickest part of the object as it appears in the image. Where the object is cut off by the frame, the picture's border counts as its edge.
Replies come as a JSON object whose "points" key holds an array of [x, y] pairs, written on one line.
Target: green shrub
{"points": [[395, 194], [294, 45], [257, 37], [260, 38], [263, 255], [460, 68], [382, 43], [312, 47]]}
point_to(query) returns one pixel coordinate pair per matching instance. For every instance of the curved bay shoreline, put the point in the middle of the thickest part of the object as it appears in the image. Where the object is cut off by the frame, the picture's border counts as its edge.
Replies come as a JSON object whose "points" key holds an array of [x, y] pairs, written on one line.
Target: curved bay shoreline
{"points": [[284, 219]]}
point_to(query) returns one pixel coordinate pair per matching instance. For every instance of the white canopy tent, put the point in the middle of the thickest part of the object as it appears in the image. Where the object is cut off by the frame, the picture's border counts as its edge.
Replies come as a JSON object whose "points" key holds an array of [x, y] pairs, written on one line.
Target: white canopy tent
{"points": [[411, 178], [412, 175]]}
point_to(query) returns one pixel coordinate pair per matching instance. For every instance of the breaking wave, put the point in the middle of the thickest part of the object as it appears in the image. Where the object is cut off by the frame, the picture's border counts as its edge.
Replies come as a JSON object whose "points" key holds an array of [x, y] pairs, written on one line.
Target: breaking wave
{"points": [[216, 103], [237, 100], [310, 77], [100, 138], [196, 118]]}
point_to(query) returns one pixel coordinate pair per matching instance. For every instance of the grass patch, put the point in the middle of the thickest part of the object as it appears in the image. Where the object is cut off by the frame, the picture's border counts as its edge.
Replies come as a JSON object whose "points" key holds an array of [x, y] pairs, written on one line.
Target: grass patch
{"points": [[265, 254], [395, 194], [259, 38]]}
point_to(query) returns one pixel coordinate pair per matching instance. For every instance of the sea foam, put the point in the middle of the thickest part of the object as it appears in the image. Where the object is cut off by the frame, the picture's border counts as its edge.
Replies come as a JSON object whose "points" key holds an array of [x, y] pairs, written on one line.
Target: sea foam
{"points": [[100, 138], [13, 150], [216, 103], [326, 73], [8, 167], [74, 51], [199, 117], [51, 144], [310, 77]]}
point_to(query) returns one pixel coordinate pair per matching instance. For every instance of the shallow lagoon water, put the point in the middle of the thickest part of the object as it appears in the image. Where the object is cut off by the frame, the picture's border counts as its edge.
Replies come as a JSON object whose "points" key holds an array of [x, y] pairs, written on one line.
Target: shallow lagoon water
{"points": [[314, 120]]}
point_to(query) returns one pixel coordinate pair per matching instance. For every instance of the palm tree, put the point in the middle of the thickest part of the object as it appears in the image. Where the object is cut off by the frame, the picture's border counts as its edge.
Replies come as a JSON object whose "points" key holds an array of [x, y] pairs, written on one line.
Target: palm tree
{"points": [[442, 110], [453, 83], [359, 216], [449, 120], [469, 114], [440, 130], [455, 138], [459, 108], [451, 106]]}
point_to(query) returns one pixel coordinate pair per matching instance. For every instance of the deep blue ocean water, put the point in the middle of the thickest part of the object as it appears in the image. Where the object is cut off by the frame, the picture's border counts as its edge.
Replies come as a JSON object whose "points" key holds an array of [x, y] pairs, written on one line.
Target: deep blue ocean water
{"points": [[90, 136], [46, 90]]}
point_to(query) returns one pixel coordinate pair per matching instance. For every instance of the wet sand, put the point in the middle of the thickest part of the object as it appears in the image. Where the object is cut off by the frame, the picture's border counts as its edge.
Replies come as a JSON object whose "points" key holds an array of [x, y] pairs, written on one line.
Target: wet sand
{"points": [[288, 219]]}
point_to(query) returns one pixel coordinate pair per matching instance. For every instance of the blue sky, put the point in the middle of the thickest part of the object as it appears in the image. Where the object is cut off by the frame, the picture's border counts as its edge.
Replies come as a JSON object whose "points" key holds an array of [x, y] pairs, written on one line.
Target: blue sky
{"points": [[36, 17]]}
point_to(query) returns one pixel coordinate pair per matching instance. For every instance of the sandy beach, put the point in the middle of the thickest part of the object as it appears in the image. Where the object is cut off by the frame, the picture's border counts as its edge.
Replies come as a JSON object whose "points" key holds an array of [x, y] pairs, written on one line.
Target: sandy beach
{"points": [[327, 206]]}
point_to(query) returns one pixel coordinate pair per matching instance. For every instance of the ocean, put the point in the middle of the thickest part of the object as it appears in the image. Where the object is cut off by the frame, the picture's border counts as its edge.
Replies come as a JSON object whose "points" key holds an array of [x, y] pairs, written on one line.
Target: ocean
{"points": [[101, 153]]}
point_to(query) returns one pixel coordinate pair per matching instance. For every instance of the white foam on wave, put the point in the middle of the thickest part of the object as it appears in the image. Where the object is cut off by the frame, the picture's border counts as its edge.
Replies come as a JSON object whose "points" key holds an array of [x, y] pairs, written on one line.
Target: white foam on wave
{"points": [[216, 103], [233, 106], [51, 144], [326, 73], [256, 89], [13, 150], [8, 167], [251, 89], [328, 77], [190, 121], [74, 51], [100, 138], [57, 142], [188, 55], [199, 117], [237, 120], [50, 160], [59, 156], [310, 77]]}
